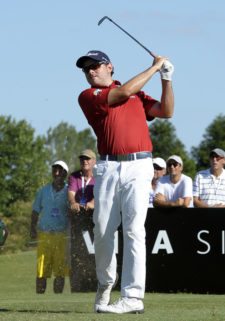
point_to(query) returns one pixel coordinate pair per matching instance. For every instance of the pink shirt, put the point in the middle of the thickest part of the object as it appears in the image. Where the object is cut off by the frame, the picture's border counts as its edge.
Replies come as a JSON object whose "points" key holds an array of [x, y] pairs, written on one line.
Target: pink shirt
{"points": [[75, 185]]}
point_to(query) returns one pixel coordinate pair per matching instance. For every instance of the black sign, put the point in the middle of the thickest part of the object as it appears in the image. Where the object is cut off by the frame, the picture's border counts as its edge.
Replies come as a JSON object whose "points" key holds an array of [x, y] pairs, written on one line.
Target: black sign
{"points": [[185, 250]]}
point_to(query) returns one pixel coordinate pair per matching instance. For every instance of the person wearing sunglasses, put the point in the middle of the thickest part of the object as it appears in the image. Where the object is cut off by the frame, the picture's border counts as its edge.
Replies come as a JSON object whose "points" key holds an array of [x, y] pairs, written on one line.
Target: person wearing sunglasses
{"points": [[81, 184], [174, 189], [81, 202], [118, 114], [159, 166], [209, 184]]}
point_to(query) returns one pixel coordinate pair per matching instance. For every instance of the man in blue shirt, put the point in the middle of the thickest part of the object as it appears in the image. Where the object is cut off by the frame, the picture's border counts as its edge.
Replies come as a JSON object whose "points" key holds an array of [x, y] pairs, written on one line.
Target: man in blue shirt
{"points": [[49, 222]]}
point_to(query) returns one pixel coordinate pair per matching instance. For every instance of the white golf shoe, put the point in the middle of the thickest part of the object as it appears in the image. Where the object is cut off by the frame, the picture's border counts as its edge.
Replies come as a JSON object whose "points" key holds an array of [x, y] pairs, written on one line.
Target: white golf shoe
{"points": [[123, 305], [102, 297]]}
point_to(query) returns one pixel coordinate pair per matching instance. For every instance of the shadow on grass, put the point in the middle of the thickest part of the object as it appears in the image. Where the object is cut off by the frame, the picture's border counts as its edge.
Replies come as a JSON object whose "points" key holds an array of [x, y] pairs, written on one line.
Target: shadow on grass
{"points": [[34, 311]]}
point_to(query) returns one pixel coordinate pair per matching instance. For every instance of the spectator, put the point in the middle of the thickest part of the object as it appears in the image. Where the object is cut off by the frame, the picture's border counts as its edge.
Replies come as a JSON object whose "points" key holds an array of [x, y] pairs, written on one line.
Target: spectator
{"points": [[209, 184], [81, 183], [174, 189], [3, 233], [159, 170], [49, 221], [81, 199]]}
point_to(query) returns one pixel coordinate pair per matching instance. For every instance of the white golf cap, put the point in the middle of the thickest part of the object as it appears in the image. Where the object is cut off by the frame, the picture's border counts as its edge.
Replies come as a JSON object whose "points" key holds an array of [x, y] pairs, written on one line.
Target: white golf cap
{"points": [[159, 161], [62, 164], [218, 151], [176, 158]]}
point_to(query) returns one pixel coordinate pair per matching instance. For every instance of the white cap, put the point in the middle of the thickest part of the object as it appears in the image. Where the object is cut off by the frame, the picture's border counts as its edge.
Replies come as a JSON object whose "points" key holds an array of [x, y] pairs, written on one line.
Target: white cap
{"points": [[62, 164], [218, 151], [176, 158], [159, 161]]}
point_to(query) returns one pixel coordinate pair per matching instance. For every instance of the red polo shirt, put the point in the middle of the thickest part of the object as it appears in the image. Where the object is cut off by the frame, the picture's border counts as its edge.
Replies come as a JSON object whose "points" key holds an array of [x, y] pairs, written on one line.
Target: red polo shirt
{"points": [[120, 128]]}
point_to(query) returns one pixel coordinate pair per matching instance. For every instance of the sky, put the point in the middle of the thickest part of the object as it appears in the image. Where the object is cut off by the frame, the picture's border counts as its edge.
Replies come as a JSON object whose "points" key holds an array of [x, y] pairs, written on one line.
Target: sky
{"points": [[42, 39]]}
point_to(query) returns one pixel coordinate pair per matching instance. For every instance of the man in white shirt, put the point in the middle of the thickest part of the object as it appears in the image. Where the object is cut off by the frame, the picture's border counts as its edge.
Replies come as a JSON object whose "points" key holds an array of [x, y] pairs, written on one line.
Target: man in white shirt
{"points": [[209, 184], [174, 189], [159, 170]]}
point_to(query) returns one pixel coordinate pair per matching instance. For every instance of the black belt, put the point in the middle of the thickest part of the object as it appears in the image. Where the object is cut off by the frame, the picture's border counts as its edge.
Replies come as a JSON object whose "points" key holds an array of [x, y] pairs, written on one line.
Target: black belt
{"points": [[126, 157]]}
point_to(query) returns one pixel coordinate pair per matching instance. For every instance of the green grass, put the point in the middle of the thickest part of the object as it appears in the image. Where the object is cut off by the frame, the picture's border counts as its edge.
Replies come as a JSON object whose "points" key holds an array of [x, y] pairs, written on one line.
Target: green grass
{"points": [[19, 302]]}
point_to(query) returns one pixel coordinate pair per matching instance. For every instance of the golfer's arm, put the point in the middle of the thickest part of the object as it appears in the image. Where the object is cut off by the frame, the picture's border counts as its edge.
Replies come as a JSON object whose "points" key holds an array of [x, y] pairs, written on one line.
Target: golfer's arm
{"points": [[165, 109], [131, 87]]}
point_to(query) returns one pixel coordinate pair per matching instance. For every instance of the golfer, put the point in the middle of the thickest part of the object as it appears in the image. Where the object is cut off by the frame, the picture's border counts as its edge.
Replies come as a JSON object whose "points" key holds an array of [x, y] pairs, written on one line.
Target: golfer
{"points": [[117, 113]]}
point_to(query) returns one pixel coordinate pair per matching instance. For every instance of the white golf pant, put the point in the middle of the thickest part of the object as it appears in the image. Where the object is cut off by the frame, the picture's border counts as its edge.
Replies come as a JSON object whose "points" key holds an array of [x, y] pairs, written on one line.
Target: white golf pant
{"points": [[122, 192]]}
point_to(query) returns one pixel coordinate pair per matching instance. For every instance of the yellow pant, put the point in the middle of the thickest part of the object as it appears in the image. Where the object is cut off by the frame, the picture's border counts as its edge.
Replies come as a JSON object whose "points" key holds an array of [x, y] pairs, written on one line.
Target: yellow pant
{"points": [[52, 254]]}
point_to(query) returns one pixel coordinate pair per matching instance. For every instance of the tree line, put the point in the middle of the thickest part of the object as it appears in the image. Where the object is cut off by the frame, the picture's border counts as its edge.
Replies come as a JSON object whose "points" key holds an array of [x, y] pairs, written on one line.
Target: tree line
{"points": [[26, 158]]}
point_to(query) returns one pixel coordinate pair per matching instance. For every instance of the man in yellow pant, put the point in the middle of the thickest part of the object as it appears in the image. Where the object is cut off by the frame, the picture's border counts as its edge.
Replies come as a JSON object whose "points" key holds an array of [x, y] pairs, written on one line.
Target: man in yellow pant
{"points": [[49, 222]]}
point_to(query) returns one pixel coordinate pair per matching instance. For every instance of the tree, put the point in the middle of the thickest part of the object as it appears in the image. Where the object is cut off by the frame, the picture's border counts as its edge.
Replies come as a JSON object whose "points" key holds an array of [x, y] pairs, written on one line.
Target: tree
{"points": [[214, 137], [23, 165], [166, 143], [65, 143]]}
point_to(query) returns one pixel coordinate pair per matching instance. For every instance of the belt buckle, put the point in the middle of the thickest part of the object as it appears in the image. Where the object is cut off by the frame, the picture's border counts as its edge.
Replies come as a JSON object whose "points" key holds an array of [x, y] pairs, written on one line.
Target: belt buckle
{"points": [[126, 157], [121, 158]]}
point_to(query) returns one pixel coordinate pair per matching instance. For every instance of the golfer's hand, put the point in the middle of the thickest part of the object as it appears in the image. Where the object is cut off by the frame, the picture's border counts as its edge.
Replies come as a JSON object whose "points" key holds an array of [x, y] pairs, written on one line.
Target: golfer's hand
{"points": [[158, 62], [167, 70]]}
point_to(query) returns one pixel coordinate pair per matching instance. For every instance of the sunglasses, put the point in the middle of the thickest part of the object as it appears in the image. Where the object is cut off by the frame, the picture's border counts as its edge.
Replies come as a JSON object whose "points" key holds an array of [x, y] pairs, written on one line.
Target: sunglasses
{"points": [[217, 157], [84, 158], [174, 164], [157, 167], [93, 66]]}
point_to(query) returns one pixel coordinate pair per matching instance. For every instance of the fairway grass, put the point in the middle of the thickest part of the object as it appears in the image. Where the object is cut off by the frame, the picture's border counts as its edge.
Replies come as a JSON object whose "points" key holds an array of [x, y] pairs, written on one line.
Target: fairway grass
{"points": [[19, 302]]}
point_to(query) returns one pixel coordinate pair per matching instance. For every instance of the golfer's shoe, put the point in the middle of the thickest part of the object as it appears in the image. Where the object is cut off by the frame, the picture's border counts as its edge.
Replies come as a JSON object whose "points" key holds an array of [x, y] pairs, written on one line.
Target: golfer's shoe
{"points": [[102, 297], [123, 305]]}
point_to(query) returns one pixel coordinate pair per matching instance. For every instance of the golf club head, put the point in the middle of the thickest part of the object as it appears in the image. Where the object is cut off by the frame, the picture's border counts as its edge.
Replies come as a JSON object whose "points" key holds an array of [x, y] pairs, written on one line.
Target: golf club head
{"points": [[101, 20]]}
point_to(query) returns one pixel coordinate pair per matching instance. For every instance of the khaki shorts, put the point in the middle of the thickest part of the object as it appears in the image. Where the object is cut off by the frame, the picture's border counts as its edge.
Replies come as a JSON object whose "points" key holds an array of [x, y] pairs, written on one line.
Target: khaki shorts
{"points": [[52, 254]]}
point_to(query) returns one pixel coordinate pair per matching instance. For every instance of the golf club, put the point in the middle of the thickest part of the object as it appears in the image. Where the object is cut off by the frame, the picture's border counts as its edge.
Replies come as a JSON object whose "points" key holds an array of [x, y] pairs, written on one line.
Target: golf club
{"points": [[149, 51], [127, 33]]}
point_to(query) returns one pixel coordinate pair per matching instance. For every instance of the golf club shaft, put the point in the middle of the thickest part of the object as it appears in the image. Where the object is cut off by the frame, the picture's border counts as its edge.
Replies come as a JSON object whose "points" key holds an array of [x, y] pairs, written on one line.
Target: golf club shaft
{"points": [[127, 33], [163, 69]]}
